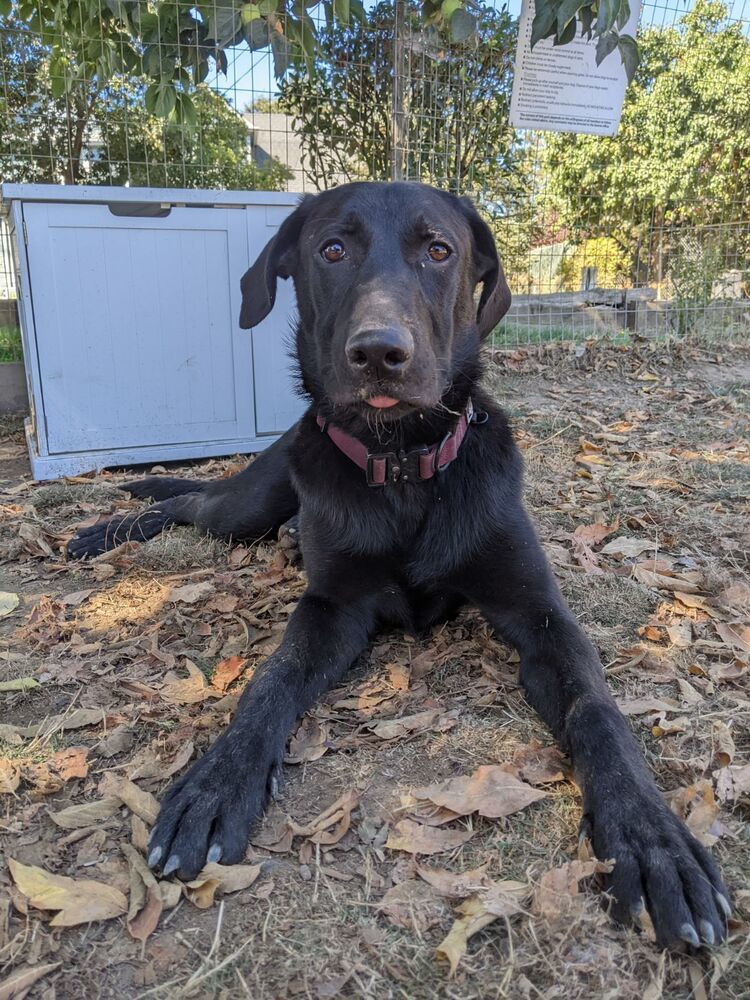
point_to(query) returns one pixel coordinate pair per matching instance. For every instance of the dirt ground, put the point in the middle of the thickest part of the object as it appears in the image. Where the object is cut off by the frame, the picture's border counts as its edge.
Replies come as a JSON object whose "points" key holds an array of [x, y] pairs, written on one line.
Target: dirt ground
{"points": [[638, 474]]}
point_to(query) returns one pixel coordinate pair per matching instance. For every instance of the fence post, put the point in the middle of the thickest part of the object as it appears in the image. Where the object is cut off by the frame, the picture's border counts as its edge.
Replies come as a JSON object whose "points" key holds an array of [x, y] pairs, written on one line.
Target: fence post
{"points": [[399, 121]]}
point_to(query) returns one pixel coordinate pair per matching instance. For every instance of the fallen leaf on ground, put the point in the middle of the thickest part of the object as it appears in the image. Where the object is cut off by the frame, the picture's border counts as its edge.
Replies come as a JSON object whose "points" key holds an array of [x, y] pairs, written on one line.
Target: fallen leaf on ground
{"points": [[309, 742], [628, 548], [696, 805], [19, 684], [724, 744], [681, 634], [8, 603], [330, 826], [455, 885], [219, 878], [188, 690], [227, 672], [539, 765], [408, 725], [555, 896], [642, 706], [146, 902], [502, 899], [78, 901], [490, 790], [413, 904], [190, 593], [661, 581], [417, 839], [10, 776], [733, 783], [20, 981], [86, 814], [118, 741], [140, 802], [736, 635]]}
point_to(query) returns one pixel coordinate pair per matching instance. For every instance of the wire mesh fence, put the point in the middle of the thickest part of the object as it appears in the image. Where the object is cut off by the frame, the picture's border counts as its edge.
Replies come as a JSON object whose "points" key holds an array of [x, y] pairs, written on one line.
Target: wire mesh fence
{"points": [[647, 233]]}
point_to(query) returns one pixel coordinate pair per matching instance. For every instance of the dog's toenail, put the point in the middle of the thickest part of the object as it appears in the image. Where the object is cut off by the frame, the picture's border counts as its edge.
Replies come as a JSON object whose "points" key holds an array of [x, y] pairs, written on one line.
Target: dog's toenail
{"points": [[173, 863], [724, 904], [707, 932], [155, 857], [214, 853], [689, 935]]}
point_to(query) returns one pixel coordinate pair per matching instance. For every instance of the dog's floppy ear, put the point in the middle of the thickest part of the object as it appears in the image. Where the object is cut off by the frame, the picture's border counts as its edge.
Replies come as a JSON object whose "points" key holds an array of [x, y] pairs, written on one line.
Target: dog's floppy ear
{"points": [[276, 260], [494, 302]]}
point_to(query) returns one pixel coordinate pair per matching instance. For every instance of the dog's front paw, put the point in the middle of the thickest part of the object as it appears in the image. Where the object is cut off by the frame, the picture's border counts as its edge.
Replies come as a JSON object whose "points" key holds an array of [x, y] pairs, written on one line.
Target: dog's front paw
{"points": [[207, 814], [661, 866]]}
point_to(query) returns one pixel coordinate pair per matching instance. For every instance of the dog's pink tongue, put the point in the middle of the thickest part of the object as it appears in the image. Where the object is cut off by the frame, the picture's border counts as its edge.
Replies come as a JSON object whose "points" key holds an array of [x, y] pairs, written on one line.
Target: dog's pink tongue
{"points": [[382, 402]]}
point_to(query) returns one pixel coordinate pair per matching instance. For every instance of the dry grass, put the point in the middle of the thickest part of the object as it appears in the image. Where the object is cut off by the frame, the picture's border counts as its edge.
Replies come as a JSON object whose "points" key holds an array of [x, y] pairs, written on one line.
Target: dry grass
{"points": [[310, 927]]}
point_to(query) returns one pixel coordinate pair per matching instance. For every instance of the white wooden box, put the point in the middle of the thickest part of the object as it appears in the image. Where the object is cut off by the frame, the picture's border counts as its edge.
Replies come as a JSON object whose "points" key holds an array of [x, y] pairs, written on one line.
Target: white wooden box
{"points": [[129, 301]]}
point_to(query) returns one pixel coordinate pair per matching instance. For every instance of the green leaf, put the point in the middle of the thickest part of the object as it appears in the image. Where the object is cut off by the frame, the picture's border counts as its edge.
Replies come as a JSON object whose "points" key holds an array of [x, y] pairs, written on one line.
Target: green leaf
{"points": [[586, 17], [462, 26], [607, 15], [449, 7], [185, 111], [566, 12], [629, 54], [341, 11], [19, 684], [267, 7], [607, 43], [545, 20], [249, 12], [5, 7], [567, 34], [161, 99], [623, 15]]}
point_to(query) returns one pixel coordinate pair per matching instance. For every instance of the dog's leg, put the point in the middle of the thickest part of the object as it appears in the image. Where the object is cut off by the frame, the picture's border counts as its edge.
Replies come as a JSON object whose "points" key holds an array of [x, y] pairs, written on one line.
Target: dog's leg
{"points": [[162, 487], [207, 814], [251, 505], [658, 863]]}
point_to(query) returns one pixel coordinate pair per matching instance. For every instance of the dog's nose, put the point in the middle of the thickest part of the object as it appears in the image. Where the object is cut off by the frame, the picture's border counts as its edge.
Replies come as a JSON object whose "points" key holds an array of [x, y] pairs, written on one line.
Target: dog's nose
{"points": [[381, 352]]}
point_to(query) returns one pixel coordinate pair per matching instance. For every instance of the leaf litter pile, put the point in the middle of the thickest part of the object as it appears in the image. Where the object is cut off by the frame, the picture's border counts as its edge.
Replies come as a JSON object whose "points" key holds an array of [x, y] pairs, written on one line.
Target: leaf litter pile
{"points": [[425, 840]]}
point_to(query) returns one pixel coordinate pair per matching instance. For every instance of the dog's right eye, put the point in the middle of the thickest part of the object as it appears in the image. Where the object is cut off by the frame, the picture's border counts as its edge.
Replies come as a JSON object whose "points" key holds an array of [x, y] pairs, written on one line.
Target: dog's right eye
{"points": [[333, 251]]}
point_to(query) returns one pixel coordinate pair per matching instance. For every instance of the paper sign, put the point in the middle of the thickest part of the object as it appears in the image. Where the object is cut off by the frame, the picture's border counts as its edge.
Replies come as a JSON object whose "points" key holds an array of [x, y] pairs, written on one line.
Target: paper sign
{"points": [[559, 88]]}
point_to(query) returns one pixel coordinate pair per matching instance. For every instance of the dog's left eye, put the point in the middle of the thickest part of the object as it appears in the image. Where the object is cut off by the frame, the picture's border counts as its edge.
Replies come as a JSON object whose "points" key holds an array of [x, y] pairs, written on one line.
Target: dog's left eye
{"points": [[438, 252], [333, 251]]}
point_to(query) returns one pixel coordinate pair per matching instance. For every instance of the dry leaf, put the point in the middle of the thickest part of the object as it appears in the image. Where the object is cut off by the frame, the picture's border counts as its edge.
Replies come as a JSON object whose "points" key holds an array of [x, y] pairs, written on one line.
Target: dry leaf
{"points": [[417, 839], [681, 634], [8, 603], [309, 742], [554, 897], [735, 635], [219, 878], [20, 981], [733, 783], [399, 675], [118, 741], [79, 901], [539, 765], [188, 690], [330, 826], [628, 548], [86, 814], [661, 581], [455, 885], [490, 790], [697, 806], [412, 904], [502, 899], [190, 593], [142, 803], [642, 706], [723, 743], [10, 776], [19, 684], [407, 725], [146, 903], [227, 672]]}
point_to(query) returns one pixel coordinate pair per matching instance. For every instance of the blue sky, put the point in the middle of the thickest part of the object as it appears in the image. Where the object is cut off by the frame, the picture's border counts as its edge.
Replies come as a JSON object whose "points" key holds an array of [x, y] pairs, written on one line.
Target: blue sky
{"points": [[250, 75]]}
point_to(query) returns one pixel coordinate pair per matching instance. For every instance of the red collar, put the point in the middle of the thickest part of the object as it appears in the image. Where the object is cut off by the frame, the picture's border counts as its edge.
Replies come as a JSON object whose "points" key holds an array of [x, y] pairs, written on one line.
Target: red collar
{"points": [[415, 465]]}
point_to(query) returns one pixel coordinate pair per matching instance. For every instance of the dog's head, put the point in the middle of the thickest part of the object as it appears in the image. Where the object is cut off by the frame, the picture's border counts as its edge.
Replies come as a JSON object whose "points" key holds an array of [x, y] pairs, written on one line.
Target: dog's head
{"points": [[386, 277]]}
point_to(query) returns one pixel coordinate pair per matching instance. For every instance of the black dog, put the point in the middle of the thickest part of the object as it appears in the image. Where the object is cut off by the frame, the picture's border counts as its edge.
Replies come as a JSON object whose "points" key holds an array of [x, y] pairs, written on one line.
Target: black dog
{"points": [[409, 492]]}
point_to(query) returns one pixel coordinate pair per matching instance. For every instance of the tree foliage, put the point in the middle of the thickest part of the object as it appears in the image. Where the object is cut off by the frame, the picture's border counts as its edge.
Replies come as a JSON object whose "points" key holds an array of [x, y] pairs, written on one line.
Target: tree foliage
{"points": [[604, 20], [680, 157], [456, 102], [106, 134]]}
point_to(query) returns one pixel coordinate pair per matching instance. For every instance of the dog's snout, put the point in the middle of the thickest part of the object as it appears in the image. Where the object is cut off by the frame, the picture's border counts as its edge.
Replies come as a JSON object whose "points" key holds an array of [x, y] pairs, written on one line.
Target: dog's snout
{"points": [[384, 352]]}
